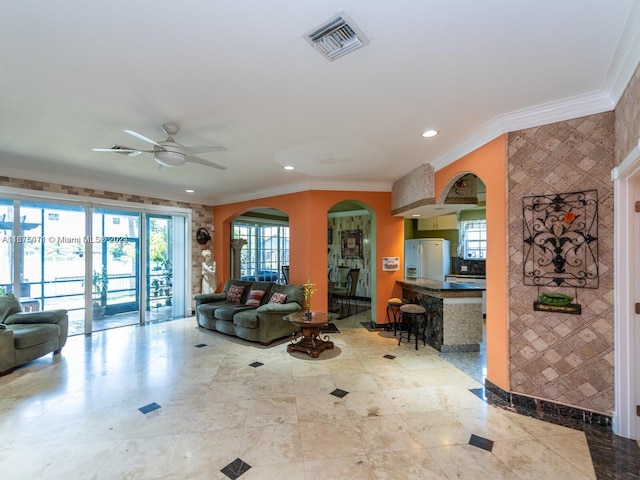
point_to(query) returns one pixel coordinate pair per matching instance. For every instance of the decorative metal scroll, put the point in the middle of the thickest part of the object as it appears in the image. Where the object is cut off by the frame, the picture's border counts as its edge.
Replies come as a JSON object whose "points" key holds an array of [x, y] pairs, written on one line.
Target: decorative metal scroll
{"points": [[561, 239]]}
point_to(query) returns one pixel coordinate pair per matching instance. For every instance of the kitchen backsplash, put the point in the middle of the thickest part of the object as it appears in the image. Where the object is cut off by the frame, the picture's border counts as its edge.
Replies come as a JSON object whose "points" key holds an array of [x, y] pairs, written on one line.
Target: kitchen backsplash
{"points": [[474, 267]]}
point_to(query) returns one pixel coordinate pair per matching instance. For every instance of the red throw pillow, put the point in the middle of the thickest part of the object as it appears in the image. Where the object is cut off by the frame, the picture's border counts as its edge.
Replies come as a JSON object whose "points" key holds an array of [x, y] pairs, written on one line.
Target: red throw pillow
{"points": [[235, 293], [255, 296], [278, 298]]}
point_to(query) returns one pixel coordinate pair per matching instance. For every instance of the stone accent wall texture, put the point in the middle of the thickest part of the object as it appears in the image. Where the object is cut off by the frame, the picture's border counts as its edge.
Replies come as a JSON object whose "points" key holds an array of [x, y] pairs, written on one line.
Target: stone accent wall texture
{"points": [[564, 358], [628, 118], [415, 189], [201, 215]]}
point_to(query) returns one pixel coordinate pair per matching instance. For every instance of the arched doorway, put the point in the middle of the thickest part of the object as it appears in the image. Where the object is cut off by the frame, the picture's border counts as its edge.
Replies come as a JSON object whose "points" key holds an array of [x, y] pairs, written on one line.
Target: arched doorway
{"points": [[351, 227], [459, 217]]}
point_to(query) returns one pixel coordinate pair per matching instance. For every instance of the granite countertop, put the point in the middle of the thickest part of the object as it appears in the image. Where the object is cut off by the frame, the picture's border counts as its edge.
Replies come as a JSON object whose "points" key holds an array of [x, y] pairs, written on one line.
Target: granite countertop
{"points": [[436, 285]]}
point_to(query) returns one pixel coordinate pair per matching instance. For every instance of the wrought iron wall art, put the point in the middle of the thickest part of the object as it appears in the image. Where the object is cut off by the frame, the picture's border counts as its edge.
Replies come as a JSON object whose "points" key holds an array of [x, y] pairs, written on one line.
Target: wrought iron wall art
{"points": [[561, 239]]}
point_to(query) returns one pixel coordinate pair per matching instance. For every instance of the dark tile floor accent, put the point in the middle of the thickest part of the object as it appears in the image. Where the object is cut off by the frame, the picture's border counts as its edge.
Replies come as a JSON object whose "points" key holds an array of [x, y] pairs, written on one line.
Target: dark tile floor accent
{"points": [[256, 364], [390, 357], [149, 408], [479, 392], [369, 326], [235, 469], [330, 328], [481, 442], [200, 345], [613, 457], [339, 393]]}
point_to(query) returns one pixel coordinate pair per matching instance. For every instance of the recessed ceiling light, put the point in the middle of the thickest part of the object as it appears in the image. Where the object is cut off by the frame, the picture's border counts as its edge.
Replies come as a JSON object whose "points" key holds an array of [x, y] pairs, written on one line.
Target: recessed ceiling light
{"points": [[289, 167], [188, 190], [429, 133], [415, 215]]}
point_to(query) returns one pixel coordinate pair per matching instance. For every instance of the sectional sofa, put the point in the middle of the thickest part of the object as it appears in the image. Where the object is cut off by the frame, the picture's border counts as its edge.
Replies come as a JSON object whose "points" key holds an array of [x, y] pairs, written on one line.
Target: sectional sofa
{"points": [[252, 311]]}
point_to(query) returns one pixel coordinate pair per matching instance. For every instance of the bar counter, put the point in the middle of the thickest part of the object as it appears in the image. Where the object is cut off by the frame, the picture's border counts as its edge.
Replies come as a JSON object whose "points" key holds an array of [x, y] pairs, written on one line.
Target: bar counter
{"points": [[454, 312]]}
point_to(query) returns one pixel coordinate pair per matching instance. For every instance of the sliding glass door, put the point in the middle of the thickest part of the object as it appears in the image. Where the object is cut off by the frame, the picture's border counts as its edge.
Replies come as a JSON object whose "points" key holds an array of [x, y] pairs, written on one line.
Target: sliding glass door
{"points": [[115, 293], [108, 267]]}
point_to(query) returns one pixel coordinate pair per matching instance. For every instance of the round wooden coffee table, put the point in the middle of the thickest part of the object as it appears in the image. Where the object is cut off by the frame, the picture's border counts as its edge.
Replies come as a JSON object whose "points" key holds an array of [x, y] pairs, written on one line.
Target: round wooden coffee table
{"points": [[308, 340]]}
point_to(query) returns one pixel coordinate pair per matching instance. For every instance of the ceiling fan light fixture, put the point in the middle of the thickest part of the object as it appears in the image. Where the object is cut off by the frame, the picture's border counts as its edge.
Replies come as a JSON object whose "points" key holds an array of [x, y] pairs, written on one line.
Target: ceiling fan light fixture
{"points": [[169, 159]]}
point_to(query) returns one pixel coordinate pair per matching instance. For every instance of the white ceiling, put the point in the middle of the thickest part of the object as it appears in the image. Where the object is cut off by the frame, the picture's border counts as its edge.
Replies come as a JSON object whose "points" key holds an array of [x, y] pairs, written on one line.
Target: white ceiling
{"points": [[74, 74]]}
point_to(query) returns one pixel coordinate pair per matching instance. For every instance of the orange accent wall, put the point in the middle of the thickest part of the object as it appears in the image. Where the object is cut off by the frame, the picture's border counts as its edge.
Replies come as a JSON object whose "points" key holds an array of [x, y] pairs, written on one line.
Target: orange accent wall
{"points": [[308, 240], [489, 162]]}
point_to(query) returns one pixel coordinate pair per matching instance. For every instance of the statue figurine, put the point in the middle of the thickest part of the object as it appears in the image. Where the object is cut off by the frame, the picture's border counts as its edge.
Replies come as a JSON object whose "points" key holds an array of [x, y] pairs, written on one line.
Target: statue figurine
{"points": [[209, 279]]}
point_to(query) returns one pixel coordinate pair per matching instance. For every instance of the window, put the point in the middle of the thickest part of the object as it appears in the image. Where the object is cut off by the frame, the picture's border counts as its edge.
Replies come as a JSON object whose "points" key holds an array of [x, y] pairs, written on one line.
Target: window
{"points": [[473, 239], [266, 251]]}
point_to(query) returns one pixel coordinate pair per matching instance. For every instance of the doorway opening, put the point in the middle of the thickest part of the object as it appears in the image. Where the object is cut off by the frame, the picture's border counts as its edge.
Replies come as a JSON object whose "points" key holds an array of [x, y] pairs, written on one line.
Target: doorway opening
{"points": [[351, 248]]}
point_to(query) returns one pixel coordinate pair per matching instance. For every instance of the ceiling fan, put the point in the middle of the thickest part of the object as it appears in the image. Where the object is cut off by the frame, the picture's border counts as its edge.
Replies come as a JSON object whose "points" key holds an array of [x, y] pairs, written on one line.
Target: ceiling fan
{"points": [[168, 153]]}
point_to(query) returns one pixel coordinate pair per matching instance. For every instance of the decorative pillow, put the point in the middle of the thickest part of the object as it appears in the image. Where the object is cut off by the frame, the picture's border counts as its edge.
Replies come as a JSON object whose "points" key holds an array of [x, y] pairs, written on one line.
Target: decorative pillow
{"points": [[255, 296], [278, 298], [235, 293]]}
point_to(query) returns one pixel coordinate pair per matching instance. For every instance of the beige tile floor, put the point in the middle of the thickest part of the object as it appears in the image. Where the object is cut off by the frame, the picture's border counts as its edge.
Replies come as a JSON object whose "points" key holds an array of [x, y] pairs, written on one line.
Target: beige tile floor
{"points": [[76, 416]]}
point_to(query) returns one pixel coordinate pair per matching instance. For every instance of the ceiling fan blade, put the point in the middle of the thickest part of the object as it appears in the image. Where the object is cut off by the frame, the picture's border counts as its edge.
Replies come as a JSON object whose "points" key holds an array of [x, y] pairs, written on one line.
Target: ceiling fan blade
{"points": [[211, 148], [202, 161], [143, 138], [121, 150]]}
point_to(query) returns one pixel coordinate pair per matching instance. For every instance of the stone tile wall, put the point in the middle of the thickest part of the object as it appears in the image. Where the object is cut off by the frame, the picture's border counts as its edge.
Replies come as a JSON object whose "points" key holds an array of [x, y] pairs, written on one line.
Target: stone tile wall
{"points": [[565, 358], [628, 119], [202, 215], [415, 189]]}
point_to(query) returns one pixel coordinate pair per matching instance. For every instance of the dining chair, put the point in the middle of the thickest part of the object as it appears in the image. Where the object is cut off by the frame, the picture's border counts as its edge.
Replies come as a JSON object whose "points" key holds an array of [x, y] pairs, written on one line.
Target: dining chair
{"points": [[348, 295], [285, 274], [339, 287]]}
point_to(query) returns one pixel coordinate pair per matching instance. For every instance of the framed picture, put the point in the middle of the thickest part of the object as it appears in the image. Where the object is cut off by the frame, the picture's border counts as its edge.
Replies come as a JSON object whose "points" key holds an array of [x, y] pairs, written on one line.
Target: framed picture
{"points": [[351, 241], [390, 264]]}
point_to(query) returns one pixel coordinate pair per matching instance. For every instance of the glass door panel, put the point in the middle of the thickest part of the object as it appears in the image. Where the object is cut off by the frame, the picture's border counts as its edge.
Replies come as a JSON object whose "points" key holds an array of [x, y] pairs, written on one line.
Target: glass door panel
{"points": [[116, 269], [51, 259], [159, 268]]}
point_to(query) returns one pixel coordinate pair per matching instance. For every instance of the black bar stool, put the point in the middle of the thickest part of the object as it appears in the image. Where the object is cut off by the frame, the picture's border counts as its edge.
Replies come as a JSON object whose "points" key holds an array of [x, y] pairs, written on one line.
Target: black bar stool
{"points": [[393, 313], [414, 319]]}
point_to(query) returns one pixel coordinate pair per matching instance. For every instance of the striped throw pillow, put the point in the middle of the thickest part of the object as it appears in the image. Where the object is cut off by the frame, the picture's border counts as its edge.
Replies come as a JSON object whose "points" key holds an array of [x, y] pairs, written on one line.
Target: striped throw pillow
{"points": [[255, 296]]}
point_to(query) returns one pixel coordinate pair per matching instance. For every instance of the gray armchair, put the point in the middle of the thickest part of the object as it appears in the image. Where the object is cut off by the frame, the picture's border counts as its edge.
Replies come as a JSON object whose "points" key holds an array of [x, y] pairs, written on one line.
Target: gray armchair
{"points": [[25, 336]]}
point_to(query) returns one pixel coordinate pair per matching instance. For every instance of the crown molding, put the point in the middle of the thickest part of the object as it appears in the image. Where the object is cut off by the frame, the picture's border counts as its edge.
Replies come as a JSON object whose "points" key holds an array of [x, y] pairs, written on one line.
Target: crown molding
{"points": [[551, 112], [341, 186], [623, 65], [626, 58]]}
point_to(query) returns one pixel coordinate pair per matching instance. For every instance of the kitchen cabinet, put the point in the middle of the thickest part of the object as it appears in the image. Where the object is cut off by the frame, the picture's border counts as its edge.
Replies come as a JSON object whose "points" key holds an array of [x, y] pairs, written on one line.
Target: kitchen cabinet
{"points": [[443, 222]]}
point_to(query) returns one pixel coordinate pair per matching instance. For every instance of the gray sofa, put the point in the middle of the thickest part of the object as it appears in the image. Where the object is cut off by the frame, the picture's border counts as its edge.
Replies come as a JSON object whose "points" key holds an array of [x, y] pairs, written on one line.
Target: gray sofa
{"points": [[25, 336], [263, 323]]}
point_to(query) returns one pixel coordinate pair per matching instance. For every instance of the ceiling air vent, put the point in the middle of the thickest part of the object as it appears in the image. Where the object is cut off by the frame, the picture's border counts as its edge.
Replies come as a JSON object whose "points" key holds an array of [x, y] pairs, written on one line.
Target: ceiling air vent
{"points": [[127, 151], [337, 37]]}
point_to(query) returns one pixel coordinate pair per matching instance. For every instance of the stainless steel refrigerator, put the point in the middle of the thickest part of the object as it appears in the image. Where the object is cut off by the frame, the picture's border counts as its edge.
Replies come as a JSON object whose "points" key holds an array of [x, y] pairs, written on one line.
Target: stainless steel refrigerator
{"points": [[427, 258]]}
